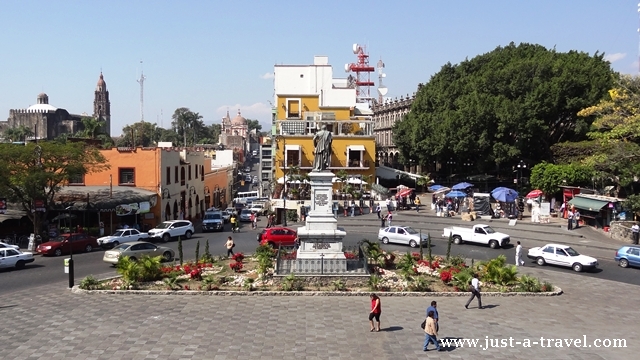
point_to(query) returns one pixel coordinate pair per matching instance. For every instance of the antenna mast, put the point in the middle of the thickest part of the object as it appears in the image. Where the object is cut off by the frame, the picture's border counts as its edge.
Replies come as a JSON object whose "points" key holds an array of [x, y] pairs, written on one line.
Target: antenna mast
{"points": [[141, 82], [363, 74], [382, 90]]}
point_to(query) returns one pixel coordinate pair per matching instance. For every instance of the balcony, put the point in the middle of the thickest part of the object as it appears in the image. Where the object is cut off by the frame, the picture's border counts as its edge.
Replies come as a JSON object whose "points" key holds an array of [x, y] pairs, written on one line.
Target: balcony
{"points": [[335, 165], [337, 127]]}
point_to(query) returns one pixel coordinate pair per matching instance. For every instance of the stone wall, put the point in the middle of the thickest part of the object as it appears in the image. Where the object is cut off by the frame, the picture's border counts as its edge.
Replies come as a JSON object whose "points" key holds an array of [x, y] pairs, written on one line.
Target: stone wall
{"points": [[311, 282], [621, 231]]}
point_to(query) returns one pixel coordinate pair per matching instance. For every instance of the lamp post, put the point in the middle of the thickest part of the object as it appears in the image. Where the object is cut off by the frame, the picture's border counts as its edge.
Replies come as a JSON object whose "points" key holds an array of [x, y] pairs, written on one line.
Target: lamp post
{"points": [[284, 176], [521, 166]]}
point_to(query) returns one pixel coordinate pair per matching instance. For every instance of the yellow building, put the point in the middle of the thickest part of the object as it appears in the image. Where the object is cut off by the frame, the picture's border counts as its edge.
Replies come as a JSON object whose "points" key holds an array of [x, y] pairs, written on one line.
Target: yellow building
{"points": [[308, 97]]}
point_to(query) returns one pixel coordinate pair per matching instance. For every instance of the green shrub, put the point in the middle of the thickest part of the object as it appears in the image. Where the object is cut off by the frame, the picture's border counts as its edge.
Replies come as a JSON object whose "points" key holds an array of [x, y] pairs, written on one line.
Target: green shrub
{"points": [[461, 280], [173, 282], [264, 256], [209, 283], [206, 257], [90, 283], [150, 268], [198, 251], [528, 283], [131, 271], [419, 284], [546, 286], [455, 261], [406, 264], [248, 284], [292, 283], [374, 282], [180, 255], [339, 285]]}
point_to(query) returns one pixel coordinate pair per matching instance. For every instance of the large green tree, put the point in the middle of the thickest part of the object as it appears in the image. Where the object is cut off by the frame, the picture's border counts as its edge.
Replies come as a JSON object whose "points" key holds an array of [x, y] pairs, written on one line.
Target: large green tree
{"points": [[549, 177], [512, 103], [37, 171], [18, 133], [188, 125], [254, 124]]}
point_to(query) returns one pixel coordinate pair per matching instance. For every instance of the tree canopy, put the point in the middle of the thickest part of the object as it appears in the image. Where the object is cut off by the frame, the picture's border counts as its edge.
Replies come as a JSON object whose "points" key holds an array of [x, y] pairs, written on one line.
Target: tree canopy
{"points": [[512, 103], [37, 171], [19, 133]]}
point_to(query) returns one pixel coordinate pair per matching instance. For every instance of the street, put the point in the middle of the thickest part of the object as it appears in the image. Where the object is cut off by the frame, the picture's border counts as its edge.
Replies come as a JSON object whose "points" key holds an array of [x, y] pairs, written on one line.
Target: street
{"points": [[50, 270]]}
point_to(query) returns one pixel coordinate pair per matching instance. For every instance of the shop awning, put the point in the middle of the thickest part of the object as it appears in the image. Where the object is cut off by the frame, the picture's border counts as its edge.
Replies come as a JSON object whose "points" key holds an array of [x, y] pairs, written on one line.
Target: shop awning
{"points": [[292, 147], [104, 198], [356, 147], [588, 203]]}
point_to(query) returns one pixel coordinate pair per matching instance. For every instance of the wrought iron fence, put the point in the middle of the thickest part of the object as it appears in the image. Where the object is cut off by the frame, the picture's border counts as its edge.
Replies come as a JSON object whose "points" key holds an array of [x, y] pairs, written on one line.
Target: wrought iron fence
{"points": [[354, 264]]}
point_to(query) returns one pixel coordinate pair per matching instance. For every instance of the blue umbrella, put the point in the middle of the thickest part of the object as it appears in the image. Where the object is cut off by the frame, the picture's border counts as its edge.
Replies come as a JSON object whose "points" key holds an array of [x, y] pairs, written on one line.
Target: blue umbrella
{"points": [[462, 186], [435, 187], [504, 194], [456, 194]]}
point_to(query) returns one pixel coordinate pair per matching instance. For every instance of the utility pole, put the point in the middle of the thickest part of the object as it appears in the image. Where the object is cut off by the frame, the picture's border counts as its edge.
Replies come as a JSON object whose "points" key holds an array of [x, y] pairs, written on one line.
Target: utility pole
{"points": [[141, 82]]}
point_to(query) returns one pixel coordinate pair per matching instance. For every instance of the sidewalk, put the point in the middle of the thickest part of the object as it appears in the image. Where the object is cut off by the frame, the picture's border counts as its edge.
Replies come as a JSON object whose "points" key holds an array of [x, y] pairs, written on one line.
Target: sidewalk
{"points": [[524, 229]]}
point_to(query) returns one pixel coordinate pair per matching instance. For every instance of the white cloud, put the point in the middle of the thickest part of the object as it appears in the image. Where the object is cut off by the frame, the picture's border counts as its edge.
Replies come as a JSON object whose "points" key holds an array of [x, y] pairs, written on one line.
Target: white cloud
{"points": [[614, 57], [259, 111], [267, 76]]}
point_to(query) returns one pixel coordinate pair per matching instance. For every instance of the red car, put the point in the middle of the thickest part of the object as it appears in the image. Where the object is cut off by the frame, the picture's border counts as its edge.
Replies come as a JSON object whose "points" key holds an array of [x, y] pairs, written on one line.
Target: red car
{"points": [[277, 236], [80, 242]]}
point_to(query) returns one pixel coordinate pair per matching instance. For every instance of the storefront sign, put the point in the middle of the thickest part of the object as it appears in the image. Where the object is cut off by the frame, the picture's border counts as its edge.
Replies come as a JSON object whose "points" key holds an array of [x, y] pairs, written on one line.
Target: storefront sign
{"points": [[38, 205], [3, 205], [144, 207]]}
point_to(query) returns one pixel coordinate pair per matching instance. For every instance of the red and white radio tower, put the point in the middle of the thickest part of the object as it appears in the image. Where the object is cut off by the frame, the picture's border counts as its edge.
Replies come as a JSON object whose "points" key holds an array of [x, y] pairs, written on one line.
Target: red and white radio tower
{"points": [[363, 74]]}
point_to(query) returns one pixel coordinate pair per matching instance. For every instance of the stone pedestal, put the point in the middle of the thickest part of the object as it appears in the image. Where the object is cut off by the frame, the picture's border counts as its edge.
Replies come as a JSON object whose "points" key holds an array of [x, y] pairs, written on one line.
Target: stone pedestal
{"points": [[320, 238]]}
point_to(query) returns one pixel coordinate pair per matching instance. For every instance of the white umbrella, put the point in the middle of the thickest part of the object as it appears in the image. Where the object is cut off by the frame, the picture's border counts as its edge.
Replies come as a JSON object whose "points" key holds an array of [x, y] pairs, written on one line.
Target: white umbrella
{"points": [[289, 181], [356, 181], [336, 180], [442, 190]]}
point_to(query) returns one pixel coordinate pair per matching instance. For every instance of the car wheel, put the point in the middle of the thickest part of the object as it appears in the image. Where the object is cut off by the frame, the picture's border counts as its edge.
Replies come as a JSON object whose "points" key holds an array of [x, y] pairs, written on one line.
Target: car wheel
{"points": [[457, 240], [166, 238], [577, 267], [57, 252], [623, 263], [115, 243], [540, 261], [493, 244], [20, 264], [385, 240], [413, 243], [167, 256], [88, 248], [188, 234]]}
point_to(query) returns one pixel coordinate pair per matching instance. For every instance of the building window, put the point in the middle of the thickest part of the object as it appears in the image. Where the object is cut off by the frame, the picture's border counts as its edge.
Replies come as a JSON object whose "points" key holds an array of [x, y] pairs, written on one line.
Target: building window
{"points": [[266, 176], [293, 109], [354, 157], [77, 179], [126, 176], [182, 176], [201, 172], [196, 167], [168, 175], [189, 171], [293, 157], [176, 175], [266, 164]]}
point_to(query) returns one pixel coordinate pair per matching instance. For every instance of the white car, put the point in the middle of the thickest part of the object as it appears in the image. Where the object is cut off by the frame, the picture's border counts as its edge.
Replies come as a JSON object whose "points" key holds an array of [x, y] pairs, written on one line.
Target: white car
{"points": [[168, 230], [8, 246], [14, 258], [479, 234], [402, 235], [121, 236], [257, 209], [562, 255]]}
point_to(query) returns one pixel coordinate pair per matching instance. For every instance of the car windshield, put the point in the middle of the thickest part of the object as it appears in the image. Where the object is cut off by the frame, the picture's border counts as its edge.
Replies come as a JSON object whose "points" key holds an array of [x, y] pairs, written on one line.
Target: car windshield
{"points": [[410, 230], [118, 233], [246, 212], [212, 216], [571, 252], [122, 247], [164, 225], [489, 230]]}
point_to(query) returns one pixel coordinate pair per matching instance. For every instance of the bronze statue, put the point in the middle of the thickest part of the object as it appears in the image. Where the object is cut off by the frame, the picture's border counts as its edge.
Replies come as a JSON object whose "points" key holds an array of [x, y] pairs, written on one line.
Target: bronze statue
{"points": [[322, 143]]}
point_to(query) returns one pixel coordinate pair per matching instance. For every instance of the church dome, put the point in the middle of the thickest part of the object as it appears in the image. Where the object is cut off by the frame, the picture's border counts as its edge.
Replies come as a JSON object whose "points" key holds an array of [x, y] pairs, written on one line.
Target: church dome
{"points": [[42, 104], [238, 120], [43, 96], [101, 84]]}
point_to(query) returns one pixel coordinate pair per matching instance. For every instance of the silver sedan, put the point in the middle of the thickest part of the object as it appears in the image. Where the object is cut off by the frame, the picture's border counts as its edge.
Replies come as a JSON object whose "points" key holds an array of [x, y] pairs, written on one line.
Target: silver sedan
{"points": [[405, 235]]}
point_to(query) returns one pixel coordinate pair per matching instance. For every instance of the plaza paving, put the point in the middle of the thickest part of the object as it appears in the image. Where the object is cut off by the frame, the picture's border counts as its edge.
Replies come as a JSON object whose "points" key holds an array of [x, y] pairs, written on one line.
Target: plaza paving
{"points": [[51, 322]]}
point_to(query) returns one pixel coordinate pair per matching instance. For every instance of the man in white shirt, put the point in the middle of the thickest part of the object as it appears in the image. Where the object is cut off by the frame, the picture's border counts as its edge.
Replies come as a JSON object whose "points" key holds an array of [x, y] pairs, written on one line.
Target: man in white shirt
{"points": [[388, 203], [475, 291], [635, 230], [519, 261], [570, 219]]}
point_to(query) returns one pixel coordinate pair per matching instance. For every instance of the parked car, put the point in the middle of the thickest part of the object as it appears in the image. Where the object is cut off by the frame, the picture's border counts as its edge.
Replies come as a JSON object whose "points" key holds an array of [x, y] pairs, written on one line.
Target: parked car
{"points": [[480, 234], [562, 255], [402, 235], [168, 230], [230, 211], [63, 244], [277, 236], [8, 246], [628, 256], [258, 209], [121, 236], [247, 169], [225, 216], [248, 178], [245, 215], [212, 221], [10, 257], [136, 250]]}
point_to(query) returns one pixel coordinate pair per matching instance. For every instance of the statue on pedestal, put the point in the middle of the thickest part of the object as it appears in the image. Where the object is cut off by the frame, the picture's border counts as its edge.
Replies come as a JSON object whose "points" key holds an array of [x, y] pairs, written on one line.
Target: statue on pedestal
{"points": [[322, 143]]}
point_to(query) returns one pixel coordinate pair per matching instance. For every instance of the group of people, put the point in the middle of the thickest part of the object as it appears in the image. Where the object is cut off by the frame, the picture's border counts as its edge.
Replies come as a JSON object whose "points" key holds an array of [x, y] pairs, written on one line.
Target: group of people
{"points": [[573, 216], [431, 324]]}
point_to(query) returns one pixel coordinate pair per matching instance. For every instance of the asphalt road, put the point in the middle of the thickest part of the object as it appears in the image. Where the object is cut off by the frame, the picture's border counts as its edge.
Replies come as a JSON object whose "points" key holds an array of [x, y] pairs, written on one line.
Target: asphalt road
{"points": [[49, 270]]}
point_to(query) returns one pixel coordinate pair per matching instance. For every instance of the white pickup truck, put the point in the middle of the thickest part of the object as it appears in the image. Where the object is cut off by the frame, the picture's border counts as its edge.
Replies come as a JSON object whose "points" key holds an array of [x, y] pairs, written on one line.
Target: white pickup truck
{"points": [[481, 234]]}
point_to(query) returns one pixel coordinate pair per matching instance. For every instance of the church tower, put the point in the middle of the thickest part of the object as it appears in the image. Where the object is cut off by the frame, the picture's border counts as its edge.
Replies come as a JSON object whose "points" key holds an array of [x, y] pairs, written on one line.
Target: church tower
{"points": [[101, 104]]}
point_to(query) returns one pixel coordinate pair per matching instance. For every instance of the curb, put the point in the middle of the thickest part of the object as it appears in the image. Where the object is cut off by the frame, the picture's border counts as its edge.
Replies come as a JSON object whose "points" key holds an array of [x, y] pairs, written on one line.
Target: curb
{"points": [[556, 292]]}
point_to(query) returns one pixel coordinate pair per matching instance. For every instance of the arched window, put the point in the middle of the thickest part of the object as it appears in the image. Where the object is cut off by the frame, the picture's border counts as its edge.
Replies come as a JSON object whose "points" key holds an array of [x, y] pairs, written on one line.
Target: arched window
{"points": [[182, 176]]}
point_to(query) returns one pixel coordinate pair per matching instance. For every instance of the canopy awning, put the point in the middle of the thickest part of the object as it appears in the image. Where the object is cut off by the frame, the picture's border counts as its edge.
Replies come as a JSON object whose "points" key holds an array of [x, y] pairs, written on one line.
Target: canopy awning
{"points": [[588, 203], [292, 147], [103, 197], [356, 147]]}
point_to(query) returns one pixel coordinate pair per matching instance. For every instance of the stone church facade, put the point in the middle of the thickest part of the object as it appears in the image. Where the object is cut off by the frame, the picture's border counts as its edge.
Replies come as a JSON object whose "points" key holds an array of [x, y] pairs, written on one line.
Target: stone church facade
{"points": [[49, 122]]}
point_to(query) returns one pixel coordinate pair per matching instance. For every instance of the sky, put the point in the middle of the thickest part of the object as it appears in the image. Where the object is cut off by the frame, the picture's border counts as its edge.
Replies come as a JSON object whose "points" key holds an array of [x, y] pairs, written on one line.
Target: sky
{"points": [[210, 56]]}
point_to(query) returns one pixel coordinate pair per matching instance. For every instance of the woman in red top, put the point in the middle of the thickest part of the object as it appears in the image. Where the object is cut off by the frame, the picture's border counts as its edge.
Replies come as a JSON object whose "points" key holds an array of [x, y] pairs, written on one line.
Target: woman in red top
{"points": [[376, 309]]}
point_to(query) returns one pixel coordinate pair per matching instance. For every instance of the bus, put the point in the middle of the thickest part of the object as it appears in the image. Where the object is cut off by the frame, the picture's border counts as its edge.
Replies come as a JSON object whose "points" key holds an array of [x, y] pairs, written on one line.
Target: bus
{"points": [[246, 196]]}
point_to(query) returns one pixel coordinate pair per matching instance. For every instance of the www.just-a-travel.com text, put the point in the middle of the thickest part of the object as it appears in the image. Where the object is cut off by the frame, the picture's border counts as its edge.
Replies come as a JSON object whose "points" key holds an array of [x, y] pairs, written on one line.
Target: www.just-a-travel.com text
{"points": [[488, 343]]}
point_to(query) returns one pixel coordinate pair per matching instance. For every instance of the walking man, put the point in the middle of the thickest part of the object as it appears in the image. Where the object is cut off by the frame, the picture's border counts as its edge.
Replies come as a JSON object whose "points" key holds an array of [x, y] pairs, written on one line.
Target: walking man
{"points": [[570, 219], [475, 291], [388, 203], [519, 261], [378, 210], [417, 203], [431, 333], [389, 218], [635, 230], [433, 308]]}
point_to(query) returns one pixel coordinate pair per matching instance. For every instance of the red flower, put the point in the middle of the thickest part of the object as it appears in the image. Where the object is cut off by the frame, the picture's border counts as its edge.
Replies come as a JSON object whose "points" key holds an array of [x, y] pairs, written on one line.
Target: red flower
{"points": [[350, 255], [196, 274], [186, 287], [415, 255], [423, 263], [445, 276], [238, 257], [236, 266], [455, 288]]}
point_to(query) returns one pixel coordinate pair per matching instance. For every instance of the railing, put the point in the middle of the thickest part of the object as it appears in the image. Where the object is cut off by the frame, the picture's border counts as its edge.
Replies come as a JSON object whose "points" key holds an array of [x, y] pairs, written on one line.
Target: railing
{"points": [[337, 127], [334, 165], [356, 263]]}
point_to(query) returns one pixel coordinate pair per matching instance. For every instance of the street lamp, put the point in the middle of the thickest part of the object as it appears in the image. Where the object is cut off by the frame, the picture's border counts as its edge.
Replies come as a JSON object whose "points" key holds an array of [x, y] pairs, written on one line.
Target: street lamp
{"points": [[521, 166], [284, 177]]}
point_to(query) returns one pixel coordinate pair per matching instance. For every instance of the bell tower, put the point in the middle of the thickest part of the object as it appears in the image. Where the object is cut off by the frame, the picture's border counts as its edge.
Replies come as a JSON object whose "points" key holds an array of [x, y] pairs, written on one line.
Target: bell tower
{"points": [[101, 105]]}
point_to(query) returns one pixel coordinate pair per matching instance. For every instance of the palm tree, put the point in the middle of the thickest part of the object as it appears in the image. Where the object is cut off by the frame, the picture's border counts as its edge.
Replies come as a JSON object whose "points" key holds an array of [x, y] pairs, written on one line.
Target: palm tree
{"points": [[423, 180], [92, 126], [19, 133]]}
